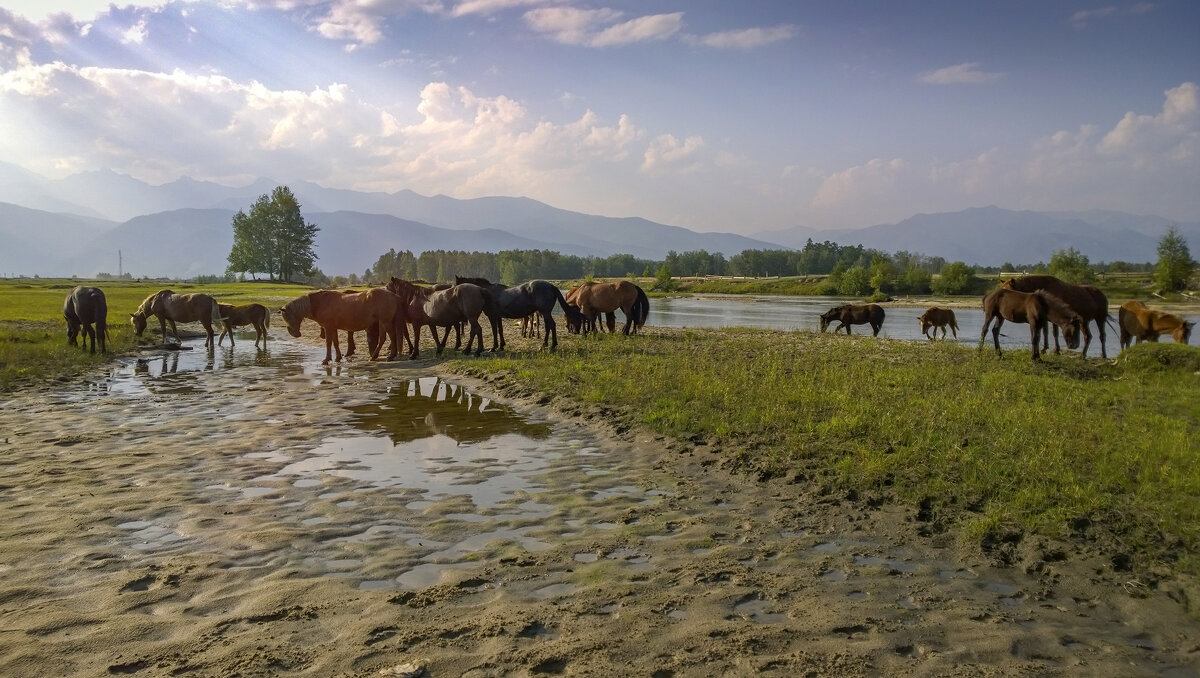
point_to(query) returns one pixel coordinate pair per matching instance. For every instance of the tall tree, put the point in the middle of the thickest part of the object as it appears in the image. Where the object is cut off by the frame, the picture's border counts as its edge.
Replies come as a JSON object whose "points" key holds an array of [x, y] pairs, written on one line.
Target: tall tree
{"points": [[1175, 263], [1071, 265], [273, 238]]}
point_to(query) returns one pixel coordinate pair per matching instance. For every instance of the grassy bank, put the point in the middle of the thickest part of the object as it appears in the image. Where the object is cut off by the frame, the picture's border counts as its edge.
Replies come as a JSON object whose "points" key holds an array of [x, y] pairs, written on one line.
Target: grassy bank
{"points": [[994, 443], [33, 334]]}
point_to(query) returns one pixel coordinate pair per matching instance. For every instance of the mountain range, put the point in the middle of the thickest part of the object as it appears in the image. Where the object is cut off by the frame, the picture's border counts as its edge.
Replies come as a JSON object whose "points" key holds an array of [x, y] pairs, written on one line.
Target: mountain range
{"points": [[77, 226]]}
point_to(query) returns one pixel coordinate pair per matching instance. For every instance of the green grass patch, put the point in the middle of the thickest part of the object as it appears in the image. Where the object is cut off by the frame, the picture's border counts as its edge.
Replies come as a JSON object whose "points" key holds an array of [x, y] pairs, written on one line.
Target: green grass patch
{"points": [[1020, 443]]}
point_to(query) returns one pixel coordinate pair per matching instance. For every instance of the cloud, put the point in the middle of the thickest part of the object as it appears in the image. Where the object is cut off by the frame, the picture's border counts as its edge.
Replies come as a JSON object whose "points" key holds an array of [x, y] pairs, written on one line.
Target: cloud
{"points": [[747, 38], [599, 27], [488, 7], [1080, 20], [959, 74], [867, 181], [363, 22], [667, 153]]}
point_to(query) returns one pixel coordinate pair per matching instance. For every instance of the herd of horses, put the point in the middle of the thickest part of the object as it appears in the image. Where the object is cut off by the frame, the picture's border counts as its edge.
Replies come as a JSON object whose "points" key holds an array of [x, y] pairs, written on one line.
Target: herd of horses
{"points": [[1045, 303]]}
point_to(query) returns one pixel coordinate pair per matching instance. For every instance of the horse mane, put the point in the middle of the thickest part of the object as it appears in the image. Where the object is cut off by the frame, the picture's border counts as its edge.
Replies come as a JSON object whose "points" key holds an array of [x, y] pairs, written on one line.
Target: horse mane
{"points": [[146, 308], [300, 306], [482, 282], [1059, 307]]}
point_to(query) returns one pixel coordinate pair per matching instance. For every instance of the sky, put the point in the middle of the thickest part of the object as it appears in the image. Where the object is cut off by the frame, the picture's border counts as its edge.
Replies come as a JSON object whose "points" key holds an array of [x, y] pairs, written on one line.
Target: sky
{"points": [[714, 115]]}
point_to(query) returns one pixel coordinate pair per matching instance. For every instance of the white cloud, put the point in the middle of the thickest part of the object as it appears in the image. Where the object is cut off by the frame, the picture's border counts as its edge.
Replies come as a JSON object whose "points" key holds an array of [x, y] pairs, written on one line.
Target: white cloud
{"points": [[466, 7], [959, 74], [862, 182], [1083, 17], [669, 153], [136, 34], [747, 38], [599, 27], [1146, 139], [362, 21]]}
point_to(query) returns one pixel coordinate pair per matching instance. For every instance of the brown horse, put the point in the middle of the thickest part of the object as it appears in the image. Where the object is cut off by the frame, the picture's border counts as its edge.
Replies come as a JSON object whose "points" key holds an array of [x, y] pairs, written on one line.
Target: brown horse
{"points": [[1136, 321], [596, 298], [854, 314], [247, 314], [938, 319], [86, 310], [443, 308], [1086, 300], [185, 308], [1036, 309], [610, 318], [333, 311]]}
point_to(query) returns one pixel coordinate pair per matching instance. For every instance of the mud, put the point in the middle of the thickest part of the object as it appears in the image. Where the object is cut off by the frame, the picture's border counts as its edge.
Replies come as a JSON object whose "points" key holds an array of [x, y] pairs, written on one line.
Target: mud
{"points": [[250, 513]]}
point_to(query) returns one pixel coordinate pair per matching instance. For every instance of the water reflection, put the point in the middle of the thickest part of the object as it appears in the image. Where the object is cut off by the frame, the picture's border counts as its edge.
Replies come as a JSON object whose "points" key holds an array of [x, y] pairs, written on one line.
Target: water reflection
{"points": [[429, 406], [167, 371]]}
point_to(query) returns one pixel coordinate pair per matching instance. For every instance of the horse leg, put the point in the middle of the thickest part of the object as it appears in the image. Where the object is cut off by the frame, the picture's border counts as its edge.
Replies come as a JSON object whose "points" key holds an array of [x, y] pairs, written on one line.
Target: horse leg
{"points": [[476, 331], [875, 329], [996, 335], [1087, 338], [550, 329], [1100, 331], [210, 337], [88, 332], [611, 319], [1034, 328], [1054, 329], [415, 342], [628, 319]]}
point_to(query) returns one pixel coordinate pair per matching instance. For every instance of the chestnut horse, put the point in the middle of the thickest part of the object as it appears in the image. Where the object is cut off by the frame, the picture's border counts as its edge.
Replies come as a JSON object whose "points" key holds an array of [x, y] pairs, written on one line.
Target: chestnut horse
{"points": [[247, 314], [86, 310], [1136, 321], [333, 311], [185, 308], [610, 318], [1086, 300], [854, 314], [1036, 309], [938, 319], [442, 308], [596, 298], [519, 301]]}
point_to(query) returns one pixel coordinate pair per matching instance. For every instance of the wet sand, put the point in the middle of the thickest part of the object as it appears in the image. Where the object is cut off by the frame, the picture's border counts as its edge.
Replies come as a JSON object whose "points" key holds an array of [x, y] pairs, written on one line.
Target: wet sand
{"points": [[228, 520]]}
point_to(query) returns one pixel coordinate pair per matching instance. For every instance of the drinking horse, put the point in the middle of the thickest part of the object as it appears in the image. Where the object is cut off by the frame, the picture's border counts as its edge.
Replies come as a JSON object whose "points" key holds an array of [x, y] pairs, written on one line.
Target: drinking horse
{"points": [[169, 307], [443, 308], [1136, 321], [596, 298], [375, 309], [86, 310], [520, 301], [1086, 300], [247, 314], [854, 314]]}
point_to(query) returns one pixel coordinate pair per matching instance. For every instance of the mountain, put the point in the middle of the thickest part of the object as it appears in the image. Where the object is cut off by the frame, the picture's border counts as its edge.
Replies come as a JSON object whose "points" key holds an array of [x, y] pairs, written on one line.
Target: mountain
{"points": [[32, 237], [991, 235]]}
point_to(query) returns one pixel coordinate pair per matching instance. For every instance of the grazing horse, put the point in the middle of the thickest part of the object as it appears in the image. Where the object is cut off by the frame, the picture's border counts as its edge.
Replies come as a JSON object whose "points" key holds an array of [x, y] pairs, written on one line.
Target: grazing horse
{"points": [[86, 309], [185, 308], [595, 298], [1136, 321], [519, 301], [610, 318], [247, 314], [443, 308], [333, 311], [938, 319], [1086, 300], [854, 314], [1034, 308]]}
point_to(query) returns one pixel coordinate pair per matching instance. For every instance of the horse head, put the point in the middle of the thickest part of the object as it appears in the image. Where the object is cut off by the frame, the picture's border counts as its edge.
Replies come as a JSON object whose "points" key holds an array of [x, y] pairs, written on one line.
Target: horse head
{"points": [[829, 316], [1184, 332], [574, 319], [293, 314], [1071, 332], [139, 322]]}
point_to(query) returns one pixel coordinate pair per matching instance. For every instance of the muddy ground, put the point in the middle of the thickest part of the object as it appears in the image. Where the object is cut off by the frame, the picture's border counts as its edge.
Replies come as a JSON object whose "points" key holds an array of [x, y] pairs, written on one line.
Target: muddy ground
{"points": [[215, 521]]}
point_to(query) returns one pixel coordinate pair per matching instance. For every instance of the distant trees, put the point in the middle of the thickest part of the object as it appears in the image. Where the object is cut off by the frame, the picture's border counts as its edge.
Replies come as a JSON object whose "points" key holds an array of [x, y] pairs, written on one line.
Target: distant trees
{"points": [[1072, 266], [273, 238], [1175, 263], [955, 278]]}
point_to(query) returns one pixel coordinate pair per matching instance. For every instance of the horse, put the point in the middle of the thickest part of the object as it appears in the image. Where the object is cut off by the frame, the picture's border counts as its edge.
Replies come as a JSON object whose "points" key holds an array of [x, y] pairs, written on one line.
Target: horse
{"points": [[531, 326], [185, 308], [1136, 321], [443, 308], [333, 311], [938, 319], [85, 309], [595, 298], [854, 314], [247, 314], [1086, 300], [519, 301], [610, 318], [1035, 308]]}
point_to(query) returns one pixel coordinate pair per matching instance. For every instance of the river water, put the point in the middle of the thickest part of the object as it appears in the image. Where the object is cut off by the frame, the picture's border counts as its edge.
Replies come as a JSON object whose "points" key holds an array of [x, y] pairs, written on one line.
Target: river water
{"points": [[803, 313]]}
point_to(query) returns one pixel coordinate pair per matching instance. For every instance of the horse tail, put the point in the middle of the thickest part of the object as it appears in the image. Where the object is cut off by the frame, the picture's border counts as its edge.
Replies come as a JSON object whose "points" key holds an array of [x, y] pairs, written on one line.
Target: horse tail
{"points": [[266, 317], [641, 308], [216, 312]]}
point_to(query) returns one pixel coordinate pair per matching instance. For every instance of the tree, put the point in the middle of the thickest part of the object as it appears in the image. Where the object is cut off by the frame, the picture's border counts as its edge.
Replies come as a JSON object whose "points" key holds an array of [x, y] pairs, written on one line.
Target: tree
{"points": [[1175, 263], [955, 278], [1072, 266], [273, 238], [856, 281]]}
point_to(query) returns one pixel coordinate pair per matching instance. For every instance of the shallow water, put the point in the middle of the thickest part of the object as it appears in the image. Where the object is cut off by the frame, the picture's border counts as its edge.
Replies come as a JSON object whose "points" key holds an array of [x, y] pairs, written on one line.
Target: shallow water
{"points": [[803, 313]]}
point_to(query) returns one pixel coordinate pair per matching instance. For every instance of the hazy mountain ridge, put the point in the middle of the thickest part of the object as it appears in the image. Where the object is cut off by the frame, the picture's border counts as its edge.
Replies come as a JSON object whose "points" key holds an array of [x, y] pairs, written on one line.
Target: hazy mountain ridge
{"points": [[184, 228]]}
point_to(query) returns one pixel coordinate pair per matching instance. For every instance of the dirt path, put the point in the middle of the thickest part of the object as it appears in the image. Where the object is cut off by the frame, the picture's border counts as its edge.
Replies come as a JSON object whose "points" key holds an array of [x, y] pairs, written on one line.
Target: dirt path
{"points": [[226, 520]]}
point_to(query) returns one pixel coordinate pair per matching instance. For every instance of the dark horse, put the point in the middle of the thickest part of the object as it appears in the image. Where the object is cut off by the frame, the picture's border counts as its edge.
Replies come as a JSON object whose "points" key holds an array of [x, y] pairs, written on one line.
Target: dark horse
{"points": [[442, 308], [854, 314], [1034, 308], [1089, 302], [519, 301], [86, 310]]}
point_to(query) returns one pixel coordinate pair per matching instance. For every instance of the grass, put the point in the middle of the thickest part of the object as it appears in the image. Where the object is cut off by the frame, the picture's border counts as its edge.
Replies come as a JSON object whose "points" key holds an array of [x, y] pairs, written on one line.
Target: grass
{"points": [[33, 344], [1016, 443]]}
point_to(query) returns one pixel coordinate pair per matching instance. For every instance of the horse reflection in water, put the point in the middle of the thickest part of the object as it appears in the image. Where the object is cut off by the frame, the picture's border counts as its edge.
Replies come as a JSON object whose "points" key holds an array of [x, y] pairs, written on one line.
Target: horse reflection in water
{"points": [[432, 407]]}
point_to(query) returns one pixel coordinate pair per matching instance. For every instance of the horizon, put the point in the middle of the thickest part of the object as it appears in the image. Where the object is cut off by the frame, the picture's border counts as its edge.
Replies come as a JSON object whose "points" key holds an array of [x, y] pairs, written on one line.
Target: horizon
{"points": [[742, 120]]}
